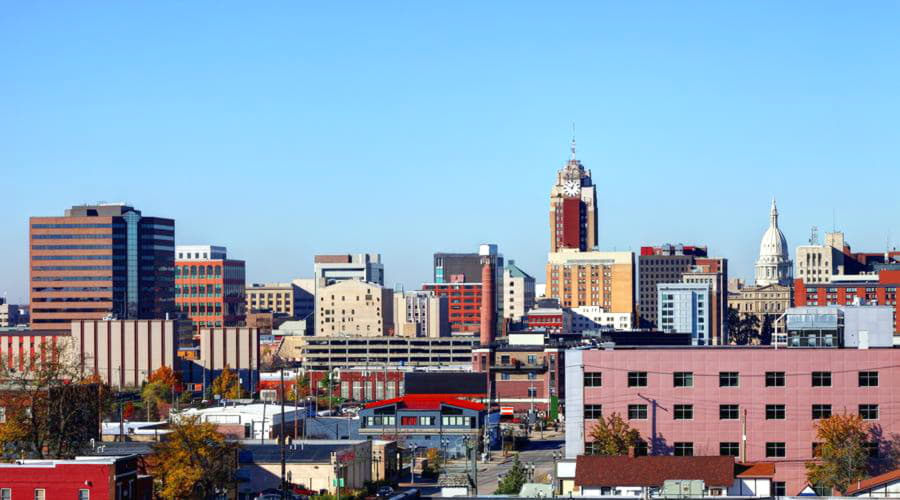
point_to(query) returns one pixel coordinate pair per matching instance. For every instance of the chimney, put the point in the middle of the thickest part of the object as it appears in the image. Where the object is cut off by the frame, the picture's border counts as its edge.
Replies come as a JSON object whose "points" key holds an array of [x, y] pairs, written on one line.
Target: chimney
{"points": [[488, 299]]}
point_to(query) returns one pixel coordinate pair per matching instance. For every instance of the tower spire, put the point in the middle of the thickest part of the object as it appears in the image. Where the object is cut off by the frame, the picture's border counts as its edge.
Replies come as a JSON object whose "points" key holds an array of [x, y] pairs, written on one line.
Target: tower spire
{"points": [[773, 215], [573, 141]]}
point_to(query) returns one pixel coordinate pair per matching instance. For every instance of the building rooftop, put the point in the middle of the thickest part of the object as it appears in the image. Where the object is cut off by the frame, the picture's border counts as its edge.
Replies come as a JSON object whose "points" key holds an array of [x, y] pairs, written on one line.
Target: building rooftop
{"points": [[652, 471], [875, 481], [422, 402], [452, 384], [295, 453]]}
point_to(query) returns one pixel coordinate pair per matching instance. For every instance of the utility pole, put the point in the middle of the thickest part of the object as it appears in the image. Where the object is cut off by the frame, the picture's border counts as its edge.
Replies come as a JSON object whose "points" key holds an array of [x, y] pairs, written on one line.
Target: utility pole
{"points": [[281, 436], [744, 436]]}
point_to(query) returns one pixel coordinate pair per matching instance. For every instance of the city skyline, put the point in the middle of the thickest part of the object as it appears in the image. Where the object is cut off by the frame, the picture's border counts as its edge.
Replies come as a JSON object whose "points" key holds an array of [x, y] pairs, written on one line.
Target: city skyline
{"points": [[451, 135]]}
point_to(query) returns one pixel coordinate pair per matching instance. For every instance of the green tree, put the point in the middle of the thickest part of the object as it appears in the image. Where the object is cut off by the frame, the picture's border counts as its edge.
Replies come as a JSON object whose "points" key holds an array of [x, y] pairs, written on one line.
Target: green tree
{"points": [[613, 436], [511, 483], [842, 454], [195, 462], [743, 329], [155, 395]]}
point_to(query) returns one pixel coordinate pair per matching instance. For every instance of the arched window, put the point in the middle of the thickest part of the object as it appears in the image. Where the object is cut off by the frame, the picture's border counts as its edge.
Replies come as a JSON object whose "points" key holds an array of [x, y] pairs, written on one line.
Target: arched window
{"points": [[209, 270], [193, 270], [218, 271]]}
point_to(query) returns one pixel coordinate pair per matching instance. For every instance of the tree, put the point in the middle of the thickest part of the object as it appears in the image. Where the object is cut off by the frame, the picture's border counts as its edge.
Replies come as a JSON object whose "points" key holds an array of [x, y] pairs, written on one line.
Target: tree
{"points": [[166, 376], [511, 483], [155, 396], [227, 384], [435, 461], [51, 410], [300, 388], [842, 454], [613, 436], [194, 462], [743, 329]]}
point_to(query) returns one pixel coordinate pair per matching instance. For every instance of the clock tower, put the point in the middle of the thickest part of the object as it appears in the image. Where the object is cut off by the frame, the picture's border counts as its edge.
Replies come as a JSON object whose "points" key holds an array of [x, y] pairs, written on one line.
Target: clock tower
{"points": [[573, 208]]}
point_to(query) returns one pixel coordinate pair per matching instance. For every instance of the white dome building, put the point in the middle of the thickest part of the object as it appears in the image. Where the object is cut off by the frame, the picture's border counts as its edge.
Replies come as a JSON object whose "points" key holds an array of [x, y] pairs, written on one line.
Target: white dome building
{"points": [[774, 265]]}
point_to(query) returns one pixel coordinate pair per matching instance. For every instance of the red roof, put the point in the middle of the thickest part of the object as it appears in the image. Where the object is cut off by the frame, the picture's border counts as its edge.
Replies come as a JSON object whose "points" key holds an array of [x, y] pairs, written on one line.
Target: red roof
{"points": [[758, 469], [426, 402], [872, 482], [652, 471]]}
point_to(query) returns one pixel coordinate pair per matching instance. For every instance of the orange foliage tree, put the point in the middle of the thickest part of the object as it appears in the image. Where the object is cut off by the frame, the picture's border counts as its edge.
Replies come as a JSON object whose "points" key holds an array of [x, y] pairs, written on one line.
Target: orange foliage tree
{"points": [[842, 456]]}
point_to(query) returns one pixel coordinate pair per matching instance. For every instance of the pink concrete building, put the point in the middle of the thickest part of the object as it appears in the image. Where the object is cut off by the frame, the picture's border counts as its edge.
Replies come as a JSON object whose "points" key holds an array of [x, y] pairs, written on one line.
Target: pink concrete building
{"points": [[698, 401]]}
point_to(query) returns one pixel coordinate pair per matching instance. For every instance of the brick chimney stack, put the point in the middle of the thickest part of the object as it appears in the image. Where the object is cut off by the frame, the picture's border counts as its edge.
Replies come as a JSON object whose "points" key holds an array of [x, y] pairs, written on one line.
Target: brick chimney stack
{"points": [[488, 294]]}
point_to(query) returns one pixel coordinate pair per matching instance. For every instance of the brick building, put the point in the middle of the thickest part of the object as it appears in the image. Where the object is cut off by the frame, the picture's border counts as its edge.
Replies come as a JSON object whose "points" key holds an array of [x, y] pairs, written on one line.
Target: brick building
{"points": [[209, 287], [98, 261], [82, 478], [754, 403], [880, 289], [604, 279], [663, 264], [458, 276]]}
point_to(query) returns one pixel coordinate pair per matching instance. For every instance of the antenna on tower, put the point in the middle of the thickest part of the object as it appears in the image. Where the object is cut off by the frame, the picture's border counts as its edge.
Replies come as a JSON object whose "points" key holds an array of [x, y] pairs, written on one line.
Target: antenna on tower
{"points": [[814, 236], [573, 140]]}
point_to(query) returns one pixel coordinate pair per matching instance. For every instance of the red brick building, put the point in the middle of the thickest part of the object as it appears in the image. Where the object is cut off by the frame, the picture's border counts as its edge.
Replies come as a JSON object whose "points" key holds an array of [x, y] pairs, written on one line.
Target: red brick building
{"points": [[209, 287], [84, 477], [882, 291], [464, 301]]}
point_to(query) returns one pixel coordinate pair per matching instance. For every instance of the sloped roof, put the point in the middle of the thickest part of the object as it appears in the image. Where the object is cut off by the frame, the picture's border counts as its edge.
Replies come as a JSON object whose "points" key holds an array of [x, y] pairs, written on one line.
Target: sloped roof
{"points": [[413, 402], [758, 469], [516, 271], [652, 471], [872, 482]]}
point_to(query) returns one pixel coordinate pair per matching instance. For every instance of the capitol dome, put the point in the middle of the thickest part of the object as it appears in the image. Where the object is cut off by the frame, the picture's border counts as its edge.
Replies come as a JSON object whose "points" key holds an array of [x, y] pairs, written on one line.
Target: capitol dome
{"points": [[774, 265]]}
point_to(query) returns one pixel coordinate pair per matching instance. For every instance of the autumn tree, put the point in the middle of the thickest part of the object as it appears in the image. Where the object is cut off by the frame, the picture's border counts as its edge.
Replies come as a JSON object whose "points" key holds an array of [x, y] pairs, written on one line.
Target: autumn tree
{"points": [[300, 388], [195, 462], [155, 396], [51, 409], [842, 454], [166, 376], [227, 384], [613, 436]]}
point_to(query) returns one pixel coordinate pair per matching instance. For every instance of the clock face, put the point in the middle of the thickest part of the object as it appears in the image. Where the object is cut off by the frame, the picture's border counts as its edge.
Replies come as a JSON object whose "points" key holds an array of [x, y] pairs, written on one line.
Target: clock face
{"points": [[571, 188]]}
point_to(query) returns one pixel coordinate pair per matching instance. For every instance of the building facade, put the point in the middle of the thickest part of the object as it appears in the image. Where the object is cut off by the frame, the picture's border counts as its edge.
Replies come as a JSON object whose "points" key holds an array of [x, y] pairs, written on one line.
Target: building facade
{"points": [[573, 208], [755, 403], [295, 299], [81, 478], [768, 303], [209, 287], [365, 267], [421, 314], [685, 308], [98, 261], [236, 347], [604, 279], [586, 318], [713, 272], [351, 307], [518, 293], [326, 353], [663, 264], [9, 314], [880, 291], [460, 277]]}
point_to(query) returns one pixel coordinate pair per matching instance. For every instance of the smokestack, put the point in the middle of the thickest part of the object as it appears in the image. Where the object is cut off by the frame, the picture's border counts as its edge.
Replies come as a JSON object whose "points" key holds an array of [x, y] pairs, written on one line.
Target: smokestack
{"points": [[488, 299]]}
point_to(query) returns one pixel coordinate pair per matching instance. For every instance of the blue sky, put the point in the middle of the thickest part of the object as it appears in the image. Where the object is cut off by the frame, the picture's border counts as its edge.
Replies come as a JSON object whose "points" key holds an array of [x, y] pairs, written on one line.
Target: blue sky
{"points": [[295, 128]]}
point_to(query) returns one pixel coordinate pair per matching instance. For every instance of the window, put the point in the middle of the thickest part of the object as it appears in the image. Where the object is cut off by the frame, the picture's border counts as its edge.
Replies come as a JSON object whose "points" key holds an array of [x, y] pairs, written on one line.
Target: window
{"points": [[532, 392], [637, 379], [504, 376], [593, 412], [408, 421], [40, 494], [816, 449], [684, 449], [684, 412], [729, 449], [779, 488], [532, 376], [821, 379], [728, 412], [637, 412], [640, 449], [822, 490], [84, 494], [728, 379], [868, 412], [593, 379], [774, 379], [450, 421], [5, 494], [821, 411], [775, 450], [871, 449], [683, 379], [868, 379], [774, 412]]}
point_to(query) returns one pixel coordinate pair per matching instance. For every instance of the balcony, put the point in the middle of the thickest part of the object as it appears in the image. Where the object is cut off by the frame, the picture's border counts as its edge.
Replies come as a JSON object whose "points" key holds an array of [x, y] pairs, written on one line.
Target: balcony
{"points": [[518, 366]]}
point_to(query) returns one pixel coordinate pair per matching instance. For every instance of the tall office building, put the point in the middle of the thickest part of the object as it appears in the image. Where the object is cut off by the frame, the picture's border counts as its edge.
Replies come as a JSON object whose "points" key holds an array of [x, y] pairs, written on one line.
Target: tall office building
{"points": [[458, 276], [685, 308], [519, 292], [573, 208], [98, 261], [209, 287], [365, 267], [604, 279], [663, 264]]}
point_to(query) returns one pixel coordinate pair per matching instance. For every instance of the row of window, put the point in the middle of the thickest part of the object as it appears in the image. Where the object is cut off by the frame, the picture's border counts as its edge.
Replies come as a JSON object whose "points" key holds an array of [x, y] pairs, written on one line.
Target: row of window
{"points": [[41, 494], [731, 411], [446, 421], [776, 449], [198, 271], [731, 379]]}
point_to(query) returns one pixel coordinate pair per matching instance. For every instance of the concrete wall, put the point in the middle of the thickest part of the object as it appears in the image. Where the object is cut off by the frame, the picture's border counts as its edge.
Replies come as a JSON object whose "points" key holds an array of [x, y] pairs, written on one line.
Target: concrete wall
{"points": [[124, 352], [238, 347]]}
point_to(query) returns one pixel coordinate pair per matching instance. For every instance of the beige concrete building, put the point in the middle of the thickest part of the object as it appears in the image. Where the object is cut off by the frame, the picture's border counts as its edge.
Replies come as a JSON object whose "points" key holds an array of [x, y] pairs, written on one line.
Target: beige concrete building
{"points": [[237, 347], [313, 464], [9, 314], [421, 314], [518, 292], [295, 299], [354, 308], [762, 301], [604, 279], [124, 352], [819, 263]]}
